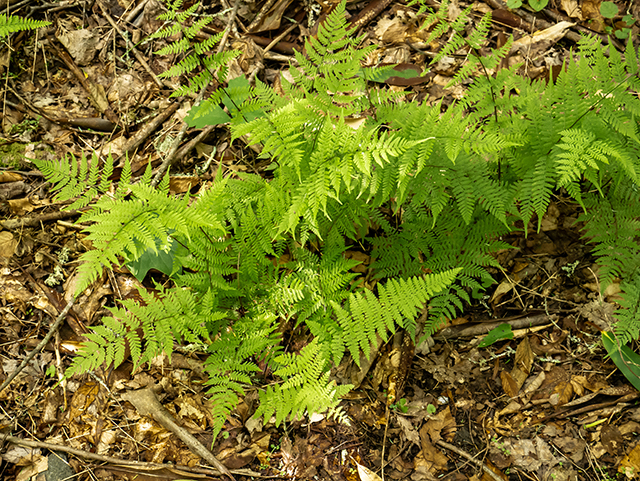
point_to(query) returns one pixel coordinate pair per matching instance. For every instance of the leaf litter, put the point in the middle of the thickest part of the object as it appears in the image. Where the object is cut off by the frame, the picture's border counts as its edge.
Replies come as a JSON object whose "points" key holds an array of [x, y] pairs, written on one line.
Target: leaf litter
{"points": [[542, 404]]}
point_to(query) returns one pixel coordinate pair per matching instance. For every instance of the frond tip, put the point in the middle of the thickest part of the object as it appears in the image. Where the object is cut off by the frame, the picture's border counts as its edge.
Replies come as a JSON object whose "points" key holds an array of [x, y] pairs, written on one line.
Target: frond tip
{"points": [[10, 24]]}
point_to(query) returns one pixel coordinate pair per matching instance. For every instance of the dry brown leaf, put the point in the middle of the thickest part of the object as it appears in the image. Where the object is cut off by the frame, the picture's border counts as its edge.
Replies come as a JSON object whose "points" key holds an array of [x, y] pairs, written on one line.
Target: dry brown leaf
{"points": [[366, 474], [524, 360], [562, 394], [8, 244], [20, 207], [579, 383], [81, 44], [391, 30], [541, 40], [573, 447], [513, 381], [442, 421], [408, 430], [572, 8], [486, 477], [591, 11], [430, 459], [9, 177], [612, 440], [182, 184], [22, 456], [503, 288], [509, 385], [532, 386], [630, 465]]}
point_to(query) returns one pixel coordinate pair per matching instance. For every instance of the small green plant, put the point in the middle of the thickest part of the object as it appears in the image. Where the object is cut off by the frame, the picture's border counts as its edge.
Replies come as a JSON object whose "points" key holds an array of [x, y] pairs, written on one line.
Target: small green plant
{"points": [[536, 5], [401, 405], [26, 125], [609, 10], [501, 446], [431, 409]]}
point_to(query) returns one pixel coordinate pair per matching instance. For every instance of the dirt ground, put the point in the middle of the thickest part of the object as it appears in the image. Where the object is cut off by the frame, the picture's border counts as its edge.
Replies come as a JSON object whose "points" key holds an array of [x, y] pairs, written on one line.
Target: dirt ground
{"points": [[545, 405]]}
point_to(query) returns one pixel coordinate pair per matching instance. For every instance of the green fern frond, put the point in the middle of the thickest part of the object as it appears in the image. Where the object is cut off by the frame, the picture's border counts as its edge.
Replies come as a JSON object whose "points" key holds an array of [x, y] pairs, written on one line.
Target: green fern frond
{"points": [[627, 327], [10, 24], [366, 316], [198, 60], [613, 227], [306, 386], [78, 178], [147, 329], [229, 364]]}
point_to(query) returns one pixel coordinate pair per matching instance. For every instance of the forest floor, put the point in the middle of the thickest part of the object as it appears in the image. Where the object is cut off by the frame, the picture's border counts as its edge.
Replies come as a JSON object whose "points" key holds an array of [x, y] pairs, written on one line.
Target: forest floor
{"points": [[546, 405]]}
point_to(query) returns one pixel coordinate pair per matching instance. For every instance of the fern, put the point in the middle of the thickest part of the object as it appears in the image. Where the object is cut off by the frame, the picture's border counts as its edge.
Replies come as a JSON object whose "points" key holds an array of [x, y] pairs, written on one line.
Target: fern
{"points": [[306, 386], [79, 179], [470, 44], [613, 226], [147, 329], [230, 363], [427, 194]]}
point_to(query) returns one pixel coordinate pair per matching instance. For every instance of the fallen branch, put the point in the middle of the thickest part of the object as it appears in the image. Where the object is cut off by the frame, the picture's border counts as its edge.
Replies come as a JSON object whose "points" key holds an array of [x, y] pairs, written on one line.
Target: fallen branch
{"points": [[492, 474], [147, 404], [455, 332], [40, 346], [176, 469], [13, 224]]}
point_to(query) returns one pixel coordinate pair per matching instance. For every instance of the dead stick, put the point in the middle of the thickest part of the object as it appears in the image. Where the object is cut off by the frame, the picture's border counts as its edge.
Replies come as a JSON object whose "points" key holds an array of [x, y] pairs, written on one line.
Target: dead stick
{"points": [[192, 143], [532, 19], [455, 332], [141, 136], [146, 403], [121, 462], [276, 40], [367, 14], [258, 18], [492, 474], [13, 224], [93, 92], [133, 48], [40, 345]]}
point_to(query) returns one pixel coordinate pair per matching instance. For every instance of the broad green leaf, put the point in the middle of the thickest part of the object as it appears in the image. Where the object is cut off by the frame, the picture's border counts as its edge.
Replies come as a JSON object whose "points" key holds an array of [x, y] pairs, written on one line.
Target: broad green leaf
{"points": [[233, 97], [608, 9], [214, 117], [503, 331], [162, 260], [538, 5], [622, 33], [624, 358]]}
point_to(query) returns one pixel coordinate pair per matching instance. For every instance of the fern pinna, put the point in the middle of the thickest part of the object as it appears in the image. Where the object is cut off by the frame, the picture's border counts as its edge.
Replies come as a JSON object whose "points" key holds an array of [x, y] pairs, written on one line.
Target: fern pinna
{"points": [[427, 194]]}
